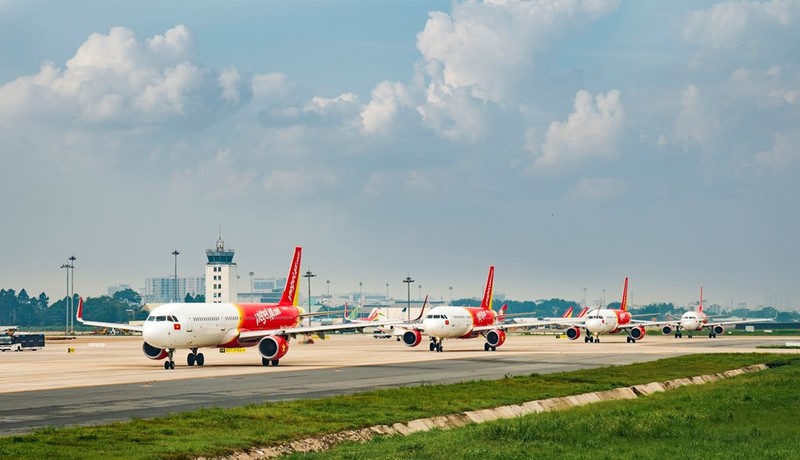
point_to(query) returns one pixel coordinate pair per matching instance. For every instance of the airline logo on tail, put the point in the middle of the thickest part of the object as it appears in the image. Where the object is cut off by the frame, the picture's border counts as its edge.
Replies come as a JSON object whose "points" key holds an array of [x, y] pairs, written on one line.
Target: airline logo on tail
{"points": [[501, 315], [290, 291], [624, 305], [568, 313], [487, 294]]}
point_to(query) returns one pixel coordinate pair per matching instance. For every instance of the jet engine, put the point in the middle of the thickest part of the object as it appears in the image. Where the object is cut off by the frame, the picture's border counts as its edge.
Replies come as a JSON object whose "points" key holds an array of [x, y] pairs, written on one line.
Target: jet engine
{"points": [[412, 338], [495, 338], [638, 333], [153, 352], [718, 330], [666, 330], [573, 333], [273, 347]]}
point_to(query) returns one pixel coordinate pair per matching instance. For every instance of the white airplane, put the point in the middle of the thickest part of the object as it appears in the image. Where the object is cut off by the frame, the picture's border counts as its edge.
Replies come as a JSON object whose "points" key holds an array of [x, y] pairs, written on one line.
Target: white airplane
{"points": [[448, 322], [693, 321], [192, 326], [607, 321]]}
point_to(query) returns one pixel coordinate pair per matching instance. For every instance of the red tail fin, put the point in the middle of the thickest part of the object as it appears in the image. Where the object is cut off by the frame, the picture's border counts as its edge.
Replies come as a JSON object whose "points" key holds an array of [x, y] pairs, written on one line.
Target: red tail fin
{"points": [[624, 305], [487, 293], [290, 291], [501, 315], [700, 307], [583, 312], [568, 313], [79, 314]]}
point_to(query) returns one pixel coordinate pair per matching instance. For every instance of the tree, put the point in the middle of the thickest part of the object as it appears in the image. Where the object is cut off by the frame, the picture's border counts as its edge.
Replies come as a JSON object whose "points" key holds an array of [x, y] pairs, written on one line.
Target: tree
{"points": [[129, 296]]}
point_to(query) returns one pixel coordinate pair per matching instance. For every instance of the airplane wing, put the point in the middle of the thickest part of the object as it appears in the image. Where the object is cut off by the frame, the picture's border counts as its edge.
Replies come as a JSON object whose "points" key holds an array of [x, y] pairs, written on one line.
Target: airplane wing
{"points": [[308, 330], [123, 326], [739, 321], [510, 326]]}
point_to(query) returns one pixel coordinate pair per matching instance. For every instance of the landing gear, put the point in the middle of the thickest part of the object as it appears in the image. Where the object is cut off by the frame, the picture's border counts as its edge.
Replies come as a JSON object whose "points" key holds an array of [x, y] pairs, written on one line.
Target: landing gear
{"points": [[631, 339], [195, 358], [436, 345], [267, 362], [591, 339], [712, 335], [689, 334], [169, 363], [487, 347]]}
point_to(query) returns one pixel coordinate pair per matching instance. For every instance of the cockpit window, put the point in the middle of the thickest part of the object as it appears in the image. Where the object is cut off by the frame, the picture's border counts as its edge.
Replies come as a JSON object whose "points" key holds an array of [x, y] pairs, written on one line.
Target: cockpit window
{"points": [[430, 317], [172, 318]]}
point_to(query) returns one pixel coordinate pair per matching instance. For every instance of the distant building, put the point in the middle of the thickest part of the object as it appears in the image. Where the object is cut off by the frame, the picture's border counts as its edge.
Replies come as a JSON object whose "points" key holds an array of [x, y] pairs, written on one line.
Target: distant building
{"points": [[221, 275], [161, 289]]}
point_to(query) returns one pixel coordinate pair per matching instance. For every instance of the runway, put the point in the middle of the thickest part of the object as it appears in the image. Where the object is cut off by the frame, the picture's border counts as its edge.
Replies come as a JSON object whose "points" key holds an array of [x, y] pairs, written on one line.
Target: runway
{"points": [[108, 379]]}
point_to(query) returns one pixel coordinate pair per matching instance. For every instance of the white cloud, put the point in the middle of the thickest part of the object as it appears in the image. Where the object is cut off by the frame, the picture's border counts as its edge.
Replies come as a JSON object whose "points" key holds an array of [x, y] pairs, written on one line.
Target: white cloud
{"points": [[116, 78], [591, 130], [783, 155], [271, 86], [388, 98]]}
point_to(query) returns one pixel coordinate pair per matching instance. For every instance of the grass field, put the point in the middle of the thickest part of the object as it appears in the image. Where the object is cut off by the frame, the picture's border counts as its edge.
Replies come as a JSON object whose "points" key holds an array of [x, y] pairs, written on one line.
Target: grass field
{"points": [[211, 432], [750, 416]]}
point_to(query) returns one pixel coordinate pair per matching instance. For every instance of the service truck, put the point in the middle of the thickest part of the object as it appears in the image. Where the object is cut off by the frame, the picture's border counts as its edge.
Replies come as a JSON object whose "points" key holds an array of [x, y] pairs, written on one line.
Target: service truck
{"points": [[19, 342]]}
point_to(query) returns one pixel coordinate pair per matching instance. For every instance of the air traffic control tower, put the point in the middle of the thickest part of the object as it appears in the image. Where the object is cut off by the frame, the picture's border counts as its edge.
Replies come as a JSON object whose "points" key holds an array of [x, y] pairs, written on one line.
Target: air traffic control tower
{"points": [[221, 274]]}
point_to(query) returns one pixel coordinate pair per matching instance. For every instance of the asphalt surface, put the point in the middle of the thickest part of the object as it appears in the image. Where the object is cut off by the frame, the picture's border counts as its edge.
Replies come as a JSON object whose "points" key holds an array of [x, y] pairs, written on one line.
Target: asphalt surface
{"points": [[79, 395]]}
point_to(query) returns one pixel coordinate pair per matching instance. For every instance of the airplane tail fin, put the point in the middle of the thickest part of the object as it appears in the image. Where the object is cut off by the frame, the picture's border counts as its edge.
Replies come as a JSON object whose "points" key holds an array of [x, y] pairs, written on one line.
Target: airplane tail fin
{"points": [[568, 313], [290, 292], [79, 313], [583, 312], [700, 307], [486, 303], [624, 305], [501, 315], [373, 315]]}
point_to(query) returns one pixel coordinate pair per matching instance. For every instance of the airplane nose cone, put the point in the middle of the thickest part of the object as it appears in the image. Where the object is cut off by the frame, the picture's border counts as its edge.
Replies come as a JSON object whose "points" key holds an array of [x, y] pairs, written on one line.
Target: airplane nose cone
{"points": [[594, 324]]}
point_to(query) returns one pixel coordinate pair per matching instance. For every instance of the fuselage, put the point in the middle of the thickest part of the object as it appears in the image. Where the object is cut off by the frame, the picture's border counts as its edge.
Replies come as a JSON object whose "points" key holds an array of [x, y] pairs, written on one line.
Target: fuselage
{"points": [[606, 321], [456, 322], [693, 320], [197, 325]]}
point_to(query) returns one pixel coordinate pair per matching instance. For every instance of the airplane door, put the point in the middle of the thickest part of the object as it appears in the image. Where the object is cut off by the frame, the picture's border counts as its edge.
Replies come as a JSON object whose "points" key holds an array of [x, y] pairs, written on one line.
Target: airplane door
{"points": [[189, 324]]}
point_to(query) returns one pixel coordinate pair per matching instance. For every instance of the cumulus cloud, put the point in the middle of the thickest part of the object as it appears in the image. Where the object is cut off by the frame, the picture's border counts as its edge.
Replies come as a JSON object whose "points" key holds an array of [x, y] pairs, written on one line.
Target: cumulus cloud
{"points": [[117, 78], [591, 130], [478, 54], [733, 30], [783, 155]]}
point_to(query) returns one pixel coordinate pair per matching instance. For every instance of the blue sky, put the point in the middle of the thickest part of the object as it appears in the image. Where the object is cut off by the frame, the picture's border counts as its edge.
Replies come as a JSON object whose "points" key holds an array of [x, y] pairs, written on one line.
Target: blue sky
{"points": [[568, 143]]}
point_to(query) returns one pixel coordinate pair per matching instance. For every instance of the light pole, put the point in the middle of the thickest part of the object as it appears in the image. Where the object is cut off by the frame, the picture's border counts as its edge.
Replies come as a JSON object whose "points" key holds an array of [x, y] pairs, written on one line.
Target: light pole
{"points": [[604, 298], [330, 299], [408, 282], [387, 291], [419, 296], [360, 296], [66, 308], [72, 260], [175, 253], [251, 282], [309, 275], [451, 295], [584, 297]]}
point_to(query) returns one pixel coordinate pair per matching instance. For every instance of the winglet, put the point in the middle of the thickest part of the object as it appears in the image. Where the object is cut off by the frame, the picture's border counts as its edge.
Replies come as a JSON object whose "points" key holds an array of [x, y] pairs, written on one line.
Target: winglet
{"points": [[421, 312], [79, 314], [290, 292], [487, 293], [624, 305]]}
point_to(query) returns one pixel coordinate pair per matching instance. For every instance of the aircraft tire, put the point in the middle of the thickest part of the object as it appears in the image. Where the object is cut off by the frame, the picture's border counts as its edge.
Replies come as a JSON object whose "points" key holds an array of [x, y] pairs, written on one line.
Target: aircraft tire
{"points": [[190, 359], [200, 359], [264, 362], [166, 365], [275, 362], [433, 346]]}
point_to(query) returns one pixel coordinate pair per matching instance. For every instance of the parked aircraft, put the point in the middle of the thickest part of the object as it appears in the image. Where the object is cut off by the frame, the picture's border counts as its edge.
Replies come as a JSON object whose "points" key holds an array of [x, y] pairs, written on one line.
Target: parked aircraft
{"points": [[693, 321], [192, 326], [607, 321], [449, 322]]}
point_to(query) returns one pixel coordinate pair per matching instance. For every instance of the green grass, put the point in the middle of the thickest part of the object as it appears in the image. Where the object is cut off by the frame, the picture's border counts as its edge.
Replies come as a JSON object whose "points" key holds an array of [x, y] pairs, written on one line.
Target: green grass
{"points": [[749, 416], [222, 431]]}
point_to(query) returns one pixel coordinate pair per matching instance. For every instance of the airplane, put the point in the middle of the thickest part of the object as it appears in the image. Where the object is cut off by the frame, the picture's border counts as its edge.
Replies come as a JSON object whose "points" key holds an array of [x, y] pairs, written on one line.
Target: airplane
{"points": [[449, 322], [607, 321], [693, 321], [269, 327], [567, 314]]}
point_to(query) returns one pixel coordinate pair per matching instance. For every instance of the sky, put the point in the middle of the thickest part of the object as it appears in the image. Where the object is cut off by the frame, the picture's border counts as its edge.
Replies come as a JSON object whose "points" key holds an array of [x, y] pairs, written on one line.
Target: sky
{"points": [[568, 143]]}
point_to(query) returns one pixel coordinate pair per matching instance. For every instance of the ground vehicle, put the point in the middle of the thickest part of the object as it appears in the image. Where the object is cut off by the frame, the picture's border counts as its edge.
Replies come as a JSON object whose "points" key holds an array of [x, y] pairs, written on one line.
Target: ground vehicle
{"points": [[19, 342]]}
